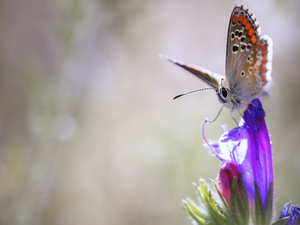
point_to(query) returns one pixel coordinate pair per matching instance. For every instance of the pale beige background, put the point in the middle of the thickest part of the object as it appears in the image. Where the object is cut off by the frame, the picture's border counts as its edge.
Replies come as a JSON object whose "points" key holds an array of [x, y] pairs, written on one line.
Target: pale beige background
{"points": [[89, 131]]}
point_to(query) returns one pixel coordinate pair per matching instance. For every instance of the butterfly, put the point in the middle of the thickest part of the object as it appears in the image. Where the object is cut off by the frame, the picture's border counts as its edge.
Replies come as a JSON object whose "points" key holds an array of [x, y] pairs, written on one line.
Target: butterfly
{"points": [[248, 64]]}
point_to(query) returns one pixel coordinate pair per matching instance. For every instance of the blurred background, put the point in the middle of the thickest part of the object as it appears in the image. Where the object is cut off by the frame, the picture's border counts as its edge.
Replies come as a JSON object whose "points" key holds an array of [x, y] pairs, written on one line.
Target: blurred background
{"points": [[89, 131]]}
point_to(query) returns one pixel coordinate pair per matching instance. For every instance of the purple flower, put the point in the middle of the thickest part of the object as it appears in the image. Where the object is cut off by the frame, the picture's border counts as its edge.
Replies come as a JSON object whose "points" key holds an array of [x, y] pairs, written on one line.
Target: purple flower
{"points": [[293, 212], [249, 147]]}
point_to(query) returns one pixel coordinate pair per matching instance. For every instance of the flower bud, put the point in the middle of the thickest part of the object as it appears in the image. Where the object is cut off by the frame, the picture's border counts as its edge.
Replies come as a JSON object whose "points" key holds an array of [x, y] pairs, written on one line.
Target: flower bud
{"points": [[225, 178]]}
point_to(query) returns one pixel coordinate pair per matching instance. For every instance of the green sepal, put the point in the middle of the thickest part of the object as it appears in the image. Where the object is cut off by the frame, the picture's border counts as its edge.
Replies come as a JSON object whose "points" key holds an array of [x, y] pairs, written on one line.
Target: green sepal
{"points": [[245, 199], [269, 211], [204, 193], [236, 204], [281, 221], [190, 208], [217, 217], [221, 197], [259, 208], [198, 190], [194, 207], [221, 210]]}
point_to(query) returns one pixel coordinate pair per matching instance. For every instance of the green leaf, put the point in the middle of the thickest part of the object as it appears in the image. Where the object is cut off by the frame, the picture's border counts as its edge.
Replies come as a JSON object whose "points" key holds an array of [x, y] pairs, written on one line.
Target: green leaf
{"points": [[217, 217], [259, 208], [221, 197], [194, 207], [236, 204], [203, 190], [198, 219], [281, 221], [245, 199], [225, 211], [221, 210], [198, 191], [269, 212]]}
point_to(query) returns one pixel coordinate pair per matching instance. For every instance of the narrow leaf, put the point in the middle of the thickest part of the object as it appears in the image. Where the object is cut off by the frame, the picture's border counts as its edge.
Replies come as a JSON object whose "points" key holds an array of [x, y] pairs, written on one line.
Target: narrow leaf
{"points": [[236, 204], [259, 208], [203, 190], [198, 219], [194, 207], [221, 197], [269, 213], [281, 221], [198, 191], [245, 199], [215, 214]]}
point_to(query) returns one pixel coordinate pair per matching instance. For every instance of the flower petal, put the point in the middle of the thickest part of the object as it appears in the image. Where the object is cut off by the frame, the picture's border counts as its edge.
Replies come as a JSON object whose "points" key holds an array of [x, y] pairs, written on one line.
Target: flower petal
{"points": [[293, 212], [225, 178]]}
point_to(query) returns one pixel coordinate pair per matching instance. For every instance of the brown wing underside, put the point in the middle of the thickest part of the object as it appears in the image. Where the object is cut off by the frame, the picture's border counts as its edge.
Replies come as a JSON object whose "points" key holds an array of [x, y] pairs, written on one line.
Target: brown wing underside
{"points": [[211, 79]]}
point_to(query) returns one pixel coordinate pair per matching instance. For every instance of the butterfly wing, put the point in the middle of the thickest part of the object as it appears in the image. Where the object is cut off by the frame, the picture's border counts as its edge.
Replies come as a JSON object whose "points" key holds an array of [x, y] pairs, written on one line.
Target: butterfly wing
{"points": [[248, 56], [254, 75], [211, 79], [243, 34]]}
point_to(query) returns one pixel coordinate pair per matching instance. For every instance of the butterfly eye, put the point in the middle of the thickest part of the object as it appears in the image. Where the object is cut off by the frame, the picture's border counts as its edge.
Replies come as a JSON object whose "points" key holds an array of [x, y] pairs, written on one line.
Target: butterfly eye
{"points": [[224, 92]]}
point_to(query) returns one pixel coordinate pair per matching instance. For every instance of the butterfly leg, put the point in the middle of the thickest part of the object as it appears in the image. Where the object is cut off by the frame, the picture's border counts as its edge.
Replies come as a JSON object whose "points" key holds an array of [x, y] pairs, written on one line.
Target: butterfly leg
{"points": [[233, 117], [237, 109], [253, 105], [210, 121]]}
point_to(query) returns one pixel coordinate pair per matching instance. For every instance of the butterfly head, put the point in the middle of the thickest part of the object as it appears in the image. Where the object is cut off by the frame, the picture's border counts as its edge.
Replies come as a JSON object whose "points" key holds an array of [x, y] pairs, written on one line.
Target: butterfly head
{"points": [[223, 94]]}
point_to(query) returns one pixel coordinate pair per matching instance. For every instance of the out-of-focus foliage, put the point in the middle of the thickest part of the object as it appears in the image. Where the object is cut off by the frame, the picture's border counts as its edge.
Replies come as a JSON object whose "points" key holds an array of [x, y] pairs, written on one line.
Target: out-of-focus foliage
{"points": [[89, 131]]}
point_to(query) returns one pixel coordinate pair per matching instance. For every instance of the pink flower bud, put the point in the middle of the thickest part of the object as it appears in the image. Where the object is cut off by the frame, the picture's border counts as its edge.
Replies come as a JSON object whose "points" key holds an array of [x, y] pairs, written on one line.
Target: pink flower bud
{"points": [[225, 178]]}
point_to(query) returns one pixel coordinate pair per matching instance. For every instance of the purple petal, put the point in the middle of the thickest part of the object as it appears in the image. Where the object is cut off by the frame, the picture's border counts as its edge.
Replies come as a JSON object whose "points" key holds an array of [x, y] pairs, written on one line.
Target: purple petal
{"points": [[293, 212]]}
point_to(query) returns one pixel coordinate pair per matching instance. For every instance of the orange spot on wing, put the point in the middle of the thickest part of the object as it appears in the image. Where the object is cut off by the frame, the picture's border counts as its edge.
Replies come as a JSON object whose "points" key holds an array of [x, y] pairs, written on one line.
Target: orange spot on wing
{"points": [[234, 19], [244, 21], [248, 26], [253, 39], [255, 46], [241, 18], [264, 60], [263, 69], [251, 32], [264, 53], [263, 78], [263, 47], [259, 46]]}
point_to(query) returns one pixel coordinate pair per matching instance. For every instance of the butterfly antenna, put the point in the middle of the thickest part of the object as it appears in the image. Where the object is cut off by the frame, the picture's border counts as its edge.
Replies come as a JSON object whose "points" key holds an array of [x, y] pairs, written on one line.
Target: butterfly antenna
{"points": [[202, 89]]}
